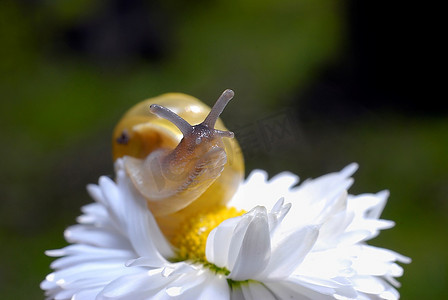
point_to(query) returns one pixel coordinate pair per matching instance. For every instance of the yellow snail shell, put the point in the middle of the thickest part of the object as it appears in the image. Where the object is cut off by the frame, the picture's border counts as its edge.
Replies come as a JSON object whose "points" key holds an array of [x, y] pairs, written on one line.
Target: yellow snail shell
{"points": [[179, 168]]}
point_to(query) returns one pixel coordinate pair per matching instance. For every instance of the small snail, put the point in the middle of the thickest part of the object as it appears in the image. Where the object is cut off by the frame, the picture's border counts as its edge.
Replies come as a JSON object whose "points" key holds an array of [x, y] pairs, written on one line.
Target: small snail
{"points": [[179, 168]]}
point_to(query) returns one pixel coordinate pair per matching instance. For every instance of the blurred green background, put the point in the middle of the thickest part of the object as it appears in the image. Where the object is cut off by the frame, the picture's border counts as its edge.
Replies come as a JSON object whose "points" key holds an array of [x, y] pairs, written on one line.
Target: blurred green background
{"points": [[318, 83]]}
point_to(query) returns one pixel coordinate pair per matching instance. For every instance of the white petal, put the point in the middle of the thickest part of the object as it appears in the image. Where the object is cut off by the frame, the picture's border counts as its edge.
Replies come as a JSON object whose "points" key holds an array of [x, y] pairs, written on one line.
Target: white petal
{"points": [[100, 237], [95, 192], [142, 229], [110, 194], [217, 246], [200, 286], [371, 225], [86, 294], [145, 261], [255, 248], [326, 264], [237, 293], [375, 261], [77, 254], [256, 291], [367, 251], [331, 230], [287, 290], [390, 293], [82, 249], [94, 270], [126, 286], [376, 211], [314, 201], [63, 295], [368, 205], [237, 240], [284, 180], [327, 185], [152, 283], [215, 288], [289, 252], [96, 212], [368, 284], [353, 237], [327, 286], [277, 214], [74, 260], [257, 190], [245, 198]]}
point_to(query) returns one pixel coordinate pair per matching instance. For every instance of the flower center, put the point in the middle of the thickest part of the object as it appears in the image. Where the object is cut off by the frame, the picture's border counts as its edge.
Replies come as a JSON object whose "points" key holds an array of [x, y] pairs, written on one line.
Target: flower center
{"points": [[191, 239]]}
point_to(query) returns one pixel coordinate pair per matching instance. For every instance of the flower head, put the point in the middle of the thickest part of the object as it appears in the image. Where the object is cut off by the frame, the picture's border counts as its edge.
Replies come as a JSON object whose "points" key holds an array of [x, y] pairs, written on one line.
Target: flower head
{"points": [[275, 240]]}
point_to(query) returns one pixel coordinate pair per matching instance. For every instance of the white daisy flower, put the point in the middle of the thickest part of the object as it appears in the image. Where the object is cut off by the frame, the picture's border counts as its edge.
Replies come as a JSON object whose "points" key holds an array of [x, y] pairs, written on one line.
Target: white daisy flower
{"points": [[275, 240]]}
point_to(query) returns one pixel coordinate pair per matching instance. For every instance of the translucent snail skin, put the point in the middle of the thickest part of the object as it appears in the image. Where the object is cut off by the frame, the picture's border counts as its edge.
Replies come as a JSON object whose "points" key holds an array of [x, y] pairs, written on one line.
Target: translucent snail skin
{"points": [[179, 168]]}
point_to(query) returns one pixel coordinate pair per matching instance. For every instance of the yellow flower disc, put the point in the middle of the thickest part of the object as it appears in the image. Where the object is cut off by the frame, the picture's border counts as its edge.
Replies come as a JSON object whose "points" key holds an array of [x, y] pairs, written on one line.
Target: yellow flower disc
{"points": [[191, 239]]}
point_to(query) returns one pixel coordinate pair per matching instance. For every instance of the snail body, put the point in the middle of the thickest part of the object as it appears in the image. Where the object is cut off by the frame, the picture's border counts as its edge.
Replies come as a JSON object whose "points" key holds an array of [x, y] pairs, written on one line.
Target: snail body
{"points": [[177, 167]]}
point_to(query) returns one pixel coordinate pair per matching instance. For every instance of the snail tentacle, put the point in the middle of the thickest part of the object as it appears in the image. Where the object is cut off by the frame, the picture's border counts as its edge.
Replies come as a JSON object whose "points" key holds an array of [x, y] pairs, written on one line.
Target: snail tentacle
{"points": [[218, 108], [221, 133], [209, 122], [171, 116]]}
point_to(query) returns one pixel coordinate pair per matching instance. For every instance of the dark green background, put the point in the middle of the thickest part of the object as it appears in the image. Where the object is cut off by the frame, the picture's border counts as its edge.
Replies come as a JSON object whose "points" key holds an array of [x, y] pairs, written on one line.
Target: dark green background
{"points": [[343, 77]]}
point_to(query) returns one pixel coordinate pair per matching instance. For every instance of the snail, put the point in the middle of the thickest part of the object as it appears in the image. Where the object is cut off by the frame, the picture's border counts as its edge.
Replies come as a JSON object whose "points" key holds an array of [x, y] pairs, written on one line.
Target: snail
{"points": [[177, 167]]}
